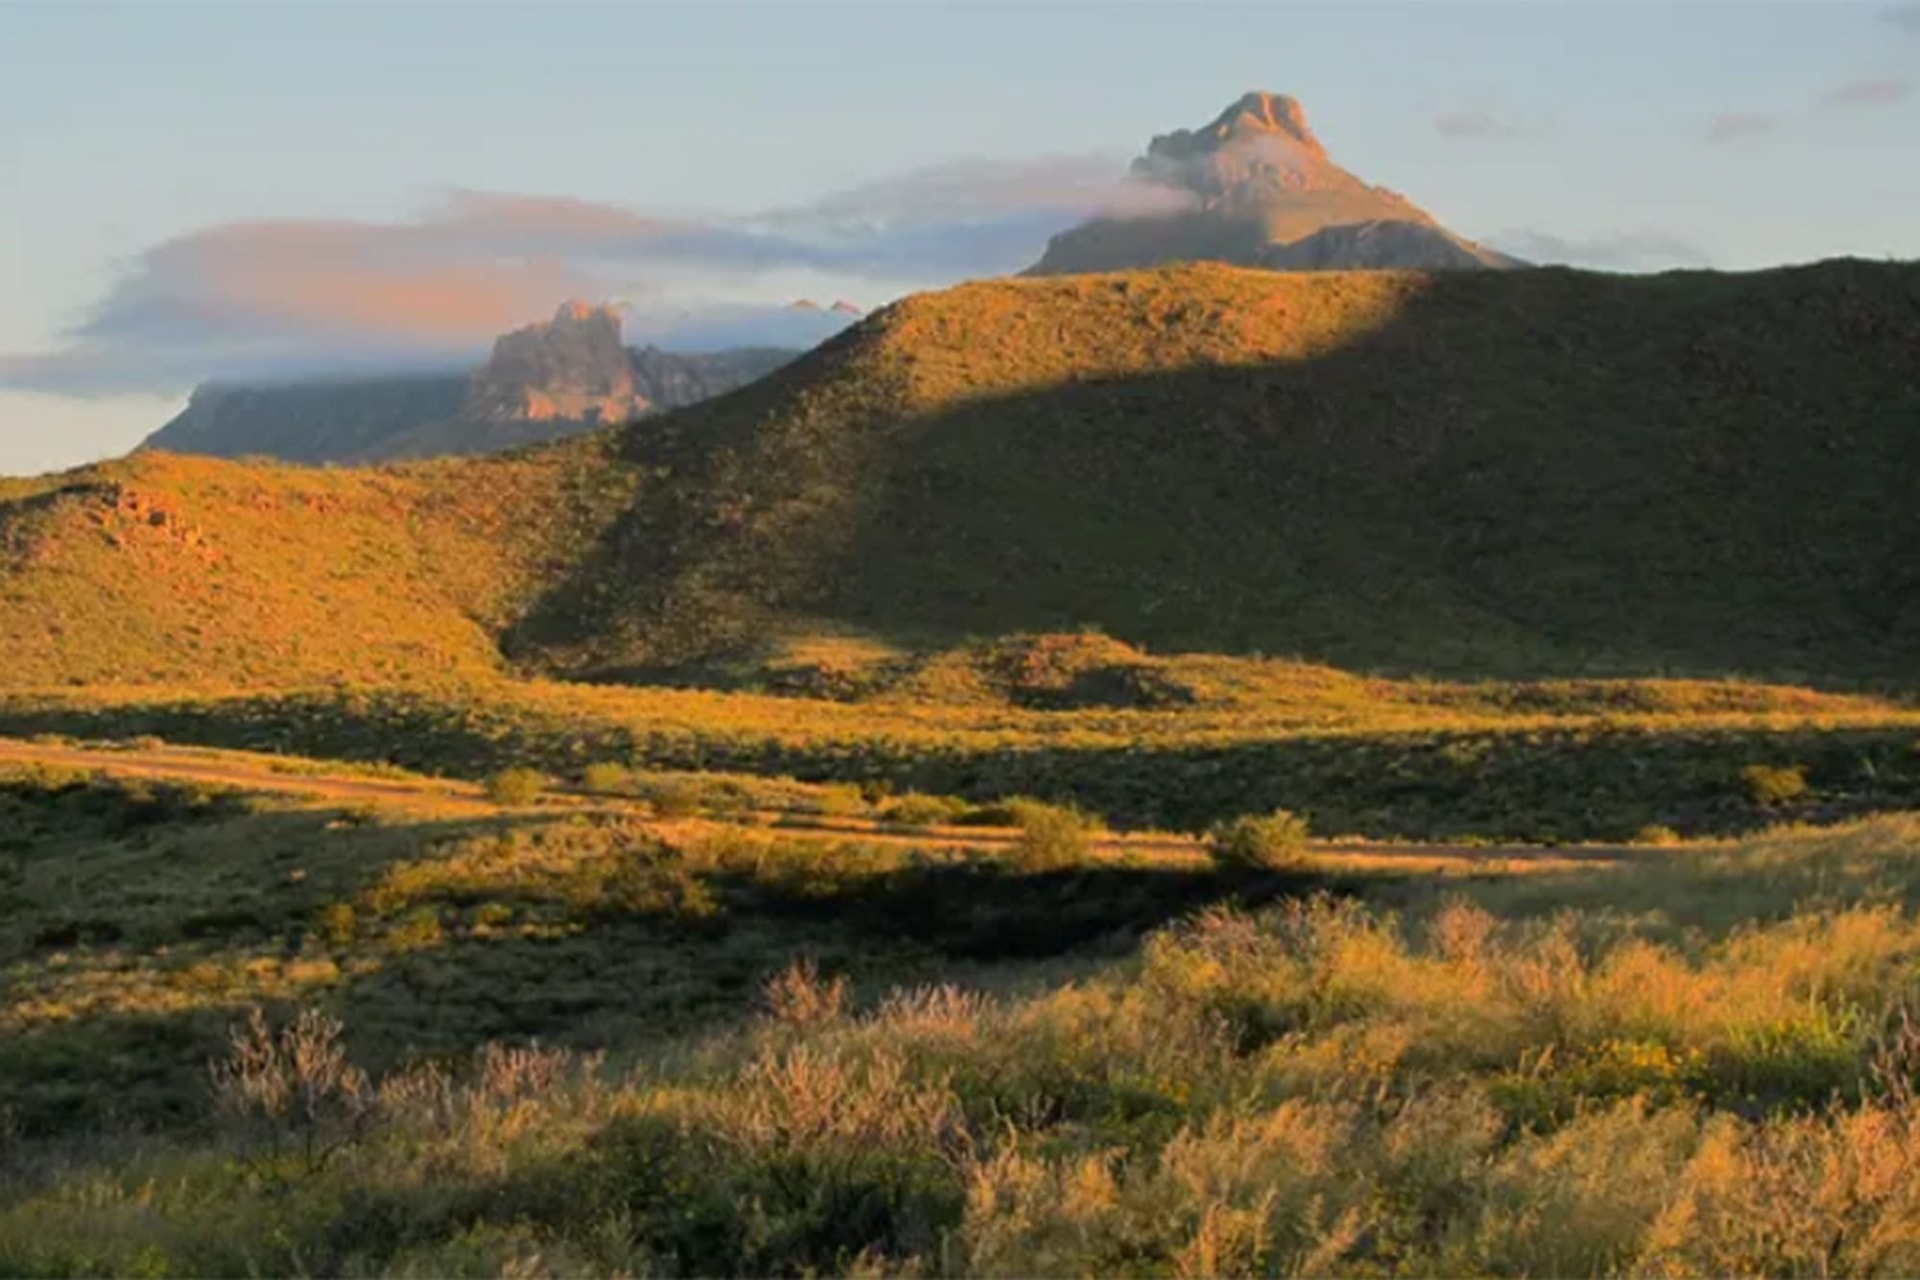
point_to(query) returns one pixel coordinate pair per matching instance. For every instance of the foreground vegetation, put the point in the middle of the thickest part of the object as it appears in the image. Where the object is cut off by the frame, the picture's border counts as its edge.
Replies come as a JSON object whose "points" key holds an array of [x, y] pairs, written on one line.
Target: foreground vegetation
{"points": [[758, 1058]]}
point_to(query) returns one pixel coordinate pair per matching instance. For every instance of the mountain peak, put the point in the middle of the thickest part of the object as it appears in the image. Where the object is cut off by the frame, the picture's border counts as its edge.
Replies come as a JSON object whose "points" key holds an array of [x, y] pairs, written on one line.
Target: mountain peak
{"points": [[1259, 112], [576, 311], [1260, 190]]}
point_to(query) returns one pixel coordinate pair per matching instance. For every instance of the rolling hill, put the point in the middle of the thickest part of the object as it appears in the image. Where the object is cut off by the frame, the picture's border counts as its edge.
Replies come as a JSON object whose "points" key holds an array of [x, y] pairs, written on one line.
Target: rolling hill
{"points": [[1473, 473]]}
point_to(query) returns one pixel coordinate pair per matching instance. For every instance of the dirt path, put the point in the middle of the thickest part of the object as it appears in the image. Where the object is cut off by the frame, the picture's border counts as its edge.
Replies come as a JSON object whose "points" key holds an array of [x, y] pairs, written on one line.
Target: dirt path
{"points": [[259, 773]]}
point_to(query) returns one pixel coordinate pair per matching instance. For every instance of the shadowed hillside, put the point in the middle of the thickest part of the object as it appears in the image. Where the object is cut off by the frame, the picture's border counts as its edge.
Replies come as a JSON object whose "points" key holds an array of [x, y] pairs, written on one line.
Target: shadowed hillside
{"points": [[1474, 473]]}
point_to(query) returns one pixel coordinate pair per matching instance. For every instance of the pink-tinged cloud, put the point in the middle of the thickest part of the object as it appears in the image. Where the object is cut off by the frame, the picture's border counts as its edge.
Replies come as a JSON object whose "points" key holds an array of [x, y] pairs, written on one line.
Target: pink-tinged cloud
{"points": [[285, 296], [1733, 125], [1877, 91]]}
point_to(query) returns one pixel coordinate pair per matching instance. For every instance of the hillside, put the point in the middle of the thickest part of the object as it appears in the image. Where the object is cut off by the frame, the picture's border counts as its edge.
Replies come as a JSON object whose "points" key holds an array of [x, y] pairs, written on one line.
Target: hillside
{"points": [[1472, 474], [1469, 473], [161, 568], [1257, 188], [542, 382]]}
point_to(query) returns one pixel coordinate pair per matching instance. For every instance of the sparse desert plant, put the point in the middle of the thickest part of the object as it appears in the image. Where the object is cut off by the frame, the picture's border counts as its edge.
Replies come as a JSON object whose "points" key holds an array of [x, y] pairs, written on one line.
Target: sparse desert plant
{"points": [[1270, 842], [799, 997], [515, 787], [1772, 785], [295, 1086]]}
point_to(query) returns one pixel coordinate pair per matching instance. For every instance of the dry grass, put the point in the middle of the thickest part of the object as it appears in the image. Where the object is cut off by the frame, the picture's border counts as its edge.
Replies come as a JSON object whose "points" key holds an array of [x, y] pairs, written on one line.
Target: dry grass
{"points": [[1501, 1077]]}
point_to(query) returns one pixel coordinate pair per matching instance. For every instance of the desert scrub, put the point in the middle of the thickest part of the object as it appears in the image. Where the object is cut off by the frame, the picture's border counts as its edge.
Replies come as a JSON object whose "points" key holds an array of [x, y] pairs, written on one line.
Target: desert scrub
{"points": [[1269, 842], [1771, 785], [1052, 837], [607, 778], [915, 809], [515, 787]]}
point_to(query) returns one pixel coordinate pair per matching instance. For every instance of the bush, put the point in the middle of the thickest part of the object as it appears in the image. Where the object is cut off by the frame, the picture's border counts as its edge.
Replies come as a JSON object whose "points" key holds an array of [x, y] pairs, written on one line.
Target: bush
{"points": [[1270, 842], [1774, 784], [605, 776], [515, 786], [1052, 837], [674, 797], [917, 810], [1657, 833]]}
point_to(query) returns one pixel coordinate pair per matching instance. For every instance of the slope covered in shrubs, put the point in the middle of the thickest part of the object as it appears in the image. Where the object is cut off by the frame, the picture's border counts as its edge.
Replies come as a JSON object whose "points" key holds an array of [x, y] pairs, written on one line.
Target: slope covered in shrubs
{"points": [[1480, 473]]}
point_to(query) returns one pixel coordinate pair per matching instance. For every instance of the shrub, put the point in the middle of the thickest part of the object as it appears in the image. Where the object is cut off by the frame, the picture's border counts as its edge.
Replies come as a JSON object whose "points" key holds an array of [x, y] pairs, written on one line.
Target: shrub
{"points": [[1271, 842], [515, 786], [1656, 833], [1774, 784], [676, 797], [917, 810], [295, 1086], [1052, 837], [606, 776]]}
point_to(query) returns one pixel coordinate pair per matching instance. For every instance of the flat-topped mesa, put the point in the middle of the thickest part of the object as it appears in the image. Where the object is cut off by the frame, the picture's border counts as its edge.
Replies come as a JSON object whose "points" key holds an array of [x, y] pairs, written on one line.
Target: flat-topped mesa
{"points": [[572, 367], [1263, 193]]}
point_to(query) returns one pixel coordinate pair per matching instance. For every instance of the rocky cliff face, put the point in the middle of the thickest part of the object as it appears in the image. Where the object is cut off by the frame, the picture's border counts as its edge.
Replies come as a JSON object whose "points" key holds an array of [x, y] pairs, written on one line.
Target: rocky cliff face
{"points": [[1260, 190], [541, 382], [571, 368]]}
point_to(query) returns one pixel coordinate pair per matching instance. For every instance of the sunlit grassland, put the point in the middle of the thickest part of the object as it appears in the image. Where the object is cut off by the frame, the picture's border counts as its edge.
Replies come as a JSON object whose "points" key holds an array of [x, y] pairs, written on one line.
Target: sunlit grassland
{"points": [[1541, 762], [1696, 1062]]}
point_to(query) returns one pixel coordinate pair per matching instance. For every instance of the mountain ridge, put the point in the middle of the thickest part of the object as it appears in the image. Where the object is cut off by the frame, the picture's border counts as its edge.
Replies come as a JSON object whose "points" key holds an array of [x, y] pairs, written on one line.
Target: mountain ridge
{"points": [[1548, 472]]}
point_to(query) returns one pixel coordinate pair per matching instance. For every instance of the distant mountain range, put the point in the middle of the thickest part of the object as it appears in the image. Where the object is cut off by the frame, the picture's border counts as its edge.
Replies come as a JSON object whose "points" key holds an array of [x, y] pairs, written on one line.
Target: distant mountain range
{"points": [[542, 382], [1255, 188]]}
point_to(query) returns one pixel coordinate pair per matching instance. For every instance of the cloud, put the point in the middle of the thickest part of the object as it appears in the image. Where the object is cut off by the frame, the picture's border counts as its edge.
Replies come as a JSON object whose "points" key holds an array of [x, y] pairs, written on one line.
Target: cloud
{"points": [[1732, 125], [1474, 126], [1874, 91], [248, 299], [1644, 250], [1904, 16]]}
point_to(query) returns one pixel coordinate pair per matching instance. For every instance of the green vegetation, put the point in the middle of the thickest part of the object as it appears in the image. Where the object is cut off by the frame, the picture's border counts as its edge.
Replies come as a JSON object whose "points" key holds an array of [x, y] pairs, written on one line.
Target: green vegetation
{"points": [[723, 966], [514, 787], [1052, 837], [1416, 760], [1273, 841], [1587, 1071]]}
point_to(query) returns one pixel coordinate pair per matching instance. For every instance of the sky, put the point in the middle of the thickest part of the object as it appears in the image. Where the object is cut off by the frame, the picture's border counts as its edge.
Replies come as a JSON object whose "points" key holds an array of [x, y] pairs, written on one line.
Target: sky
{"points": [[199, 190]]}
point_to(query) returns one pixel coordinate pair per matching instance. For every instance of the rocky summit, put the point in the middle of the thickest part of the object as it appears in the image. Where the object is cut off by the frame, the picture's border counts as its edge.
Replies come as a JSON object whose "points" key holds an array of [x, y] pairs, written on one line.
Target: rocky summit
{"points": [[1257, 188], [571, 367], [546, 380]]}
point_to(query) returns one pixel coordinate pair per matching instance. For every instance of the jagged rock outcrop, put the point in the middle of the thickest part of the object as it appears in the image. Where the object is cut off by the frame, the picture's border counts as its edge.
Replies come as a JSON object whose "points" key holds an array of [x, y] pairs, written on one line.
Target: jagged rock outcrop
{"points": [[1256, 188], [542, 382], [572, 367]]}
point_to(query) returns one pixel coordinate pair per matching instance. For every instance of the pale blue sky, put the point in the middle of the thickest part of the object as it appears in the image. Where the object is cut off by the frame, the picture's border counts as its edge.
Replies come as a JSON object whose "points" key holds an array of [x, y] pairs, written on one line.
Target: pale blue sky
{"points": [[1623, 135]]}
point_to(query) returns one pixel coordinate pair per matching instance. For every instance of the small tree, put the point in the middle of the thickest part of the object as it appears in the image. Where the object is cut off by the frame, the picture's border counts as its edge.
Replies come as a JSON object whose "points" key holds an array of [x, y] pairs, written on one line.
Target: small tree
{"points": [[1269, 842]]}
